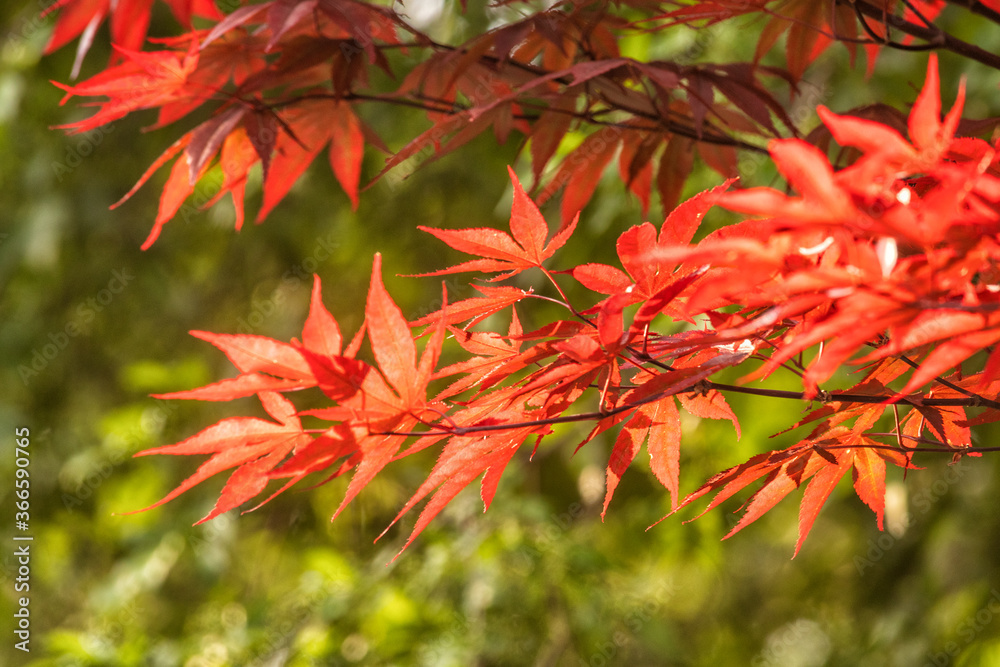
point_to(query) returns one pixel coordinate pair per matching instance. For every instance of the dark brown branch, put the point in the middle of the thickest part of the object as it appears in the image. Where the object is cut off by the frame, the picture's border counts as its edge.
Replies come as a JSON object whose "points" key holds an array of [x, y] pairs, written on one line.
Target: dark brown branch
{"points": [[951, 385], [977, 8], [670, 125], [934, 36], [964, 451], [825, 397], [846, 397], [427, 103], [885, 40]]}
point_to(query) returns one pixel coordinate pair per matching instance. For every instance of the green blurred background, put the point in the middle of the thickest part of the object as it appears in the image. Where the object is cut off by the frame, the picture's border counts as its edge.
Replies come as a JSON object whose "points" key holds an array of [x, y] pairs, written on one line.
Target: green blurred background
{"points": [[91, 326]]}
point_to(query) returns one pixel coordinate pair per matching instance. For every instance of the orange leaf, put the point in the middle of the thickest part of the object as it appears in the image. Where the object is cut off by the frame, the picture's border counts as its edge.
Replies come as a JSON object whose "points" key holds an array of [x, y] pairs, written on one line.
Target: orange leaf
{"points": [[869, 480], [665, 445], [502, 252], [819, 489], [347, 148], [254, 445], [626, 446], [321, 334], [389, 334]]}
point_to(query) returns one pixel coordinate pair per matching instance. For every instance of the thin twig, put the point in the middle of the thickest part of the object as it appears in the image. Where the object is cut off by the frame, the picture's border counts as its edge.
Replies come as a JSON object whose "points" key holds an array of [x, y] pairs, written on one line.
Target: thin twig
{"points": [[934, 36], [977, 7], [826, 397]]}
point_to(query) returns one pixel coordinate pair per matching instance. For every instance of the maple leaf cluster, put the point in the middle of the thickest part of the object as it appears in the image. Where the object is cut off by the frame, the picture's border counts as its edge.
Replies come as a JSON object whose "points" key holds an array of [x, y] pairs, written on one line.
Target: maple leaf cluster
{"points": [[875, 275], [285, 79], [888, 262]]}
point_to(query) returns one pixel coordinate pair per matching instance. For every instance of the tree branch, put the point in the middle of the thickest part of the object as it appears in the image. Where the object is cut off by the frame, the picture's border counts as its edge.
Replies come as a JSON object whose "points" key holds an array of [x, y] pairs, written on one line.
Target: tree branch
{"points": [[824, 397], [935, 36], [977, 8]]}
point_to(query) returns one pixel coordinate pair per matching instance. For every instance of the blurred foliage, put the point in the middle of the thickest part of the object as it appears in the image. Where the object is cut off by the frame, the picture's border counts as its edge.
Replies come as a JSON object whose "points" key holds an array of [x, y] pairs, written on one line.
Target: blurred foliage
{"points": [[91, 326]]}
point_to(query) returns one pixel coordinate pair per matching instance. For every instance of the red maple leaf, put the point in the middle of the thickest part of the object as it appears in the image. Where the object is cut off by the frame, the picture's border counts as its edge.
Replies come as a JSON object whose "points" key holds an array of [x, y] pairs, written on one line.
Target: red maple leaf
{"points": [[462, 460], [129, 22], [269, 365], [146, 80], [254, 446], [525, 250]]}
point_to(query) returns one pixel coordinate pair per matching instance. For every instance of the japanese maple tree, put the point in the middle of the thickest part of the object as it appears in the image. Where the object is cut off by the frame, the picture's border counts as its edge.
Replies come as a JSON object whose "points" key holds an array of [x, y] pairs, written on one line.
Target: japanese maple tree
{"points": [[880, 253]]}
